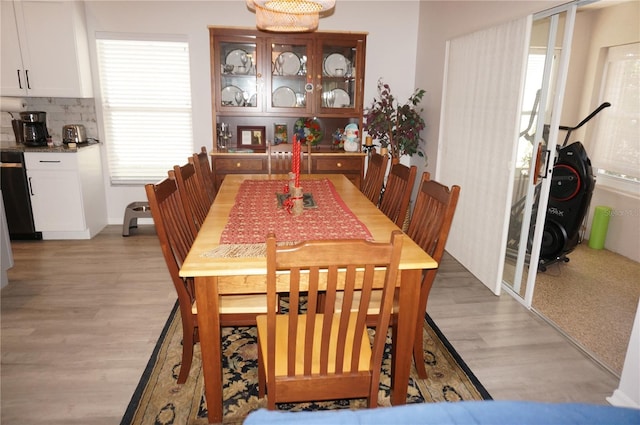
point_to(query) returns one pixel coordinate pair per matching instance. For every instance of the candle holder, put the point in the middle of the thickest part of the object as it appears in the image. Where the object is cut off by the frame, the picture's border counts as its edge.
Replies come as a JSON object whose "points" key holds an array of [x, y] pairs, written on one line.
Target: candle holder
{"points": [[298, 202], [292, 181]]}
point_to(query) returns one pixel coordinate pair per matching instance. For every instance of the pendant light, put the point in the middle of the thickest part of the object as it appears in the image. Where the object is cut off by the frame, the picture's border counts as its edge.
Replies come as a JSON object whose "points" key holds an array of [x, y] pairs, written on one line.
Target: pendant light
{"points": [[289, 15]]}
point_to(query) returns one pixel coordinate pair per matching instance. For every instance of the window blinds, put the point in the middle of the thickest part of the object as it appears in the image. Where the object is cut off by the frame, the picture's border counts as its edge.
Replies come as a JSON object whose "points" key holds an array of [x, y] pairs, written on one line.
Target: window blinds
{"points": [[146, 107], [617, 136]]}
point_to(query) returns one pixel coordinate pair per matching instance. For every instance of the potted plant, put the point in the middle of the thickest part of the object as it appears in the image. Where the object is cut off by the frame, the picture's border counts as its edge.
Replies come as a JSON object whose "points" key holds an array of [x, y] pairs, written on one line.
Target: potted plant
{"points": [[396, 126]]}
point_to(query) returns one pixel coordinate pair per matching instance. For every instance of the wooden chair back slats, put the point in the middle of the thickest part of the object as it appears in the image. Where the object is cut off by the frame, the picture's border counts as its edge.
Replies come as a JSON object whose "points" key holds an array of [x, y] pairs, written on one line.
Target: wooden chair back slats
{"points": [[279, 158], [312, 341], [176, 237], [203, 170], [374, 179], [433, 215], [194, 197], [397, 194]]}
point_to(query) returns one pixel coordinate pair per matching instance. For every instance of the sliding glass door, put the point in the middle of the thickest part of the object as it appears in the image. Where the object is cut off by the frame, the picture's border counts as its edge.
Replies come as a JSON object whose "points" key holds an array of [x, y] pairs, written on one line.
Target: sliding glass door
{"points": [[546, 74]]}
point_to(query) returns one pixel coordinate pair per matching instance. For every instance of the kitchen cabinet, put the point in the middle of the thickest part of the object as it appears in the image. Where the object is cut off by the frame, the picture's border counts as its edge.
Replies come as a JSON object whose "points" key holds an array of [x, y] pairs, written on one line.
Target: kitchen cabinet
{"points": [[45, 50], [349, 164], [263, 79], [67, 193]]}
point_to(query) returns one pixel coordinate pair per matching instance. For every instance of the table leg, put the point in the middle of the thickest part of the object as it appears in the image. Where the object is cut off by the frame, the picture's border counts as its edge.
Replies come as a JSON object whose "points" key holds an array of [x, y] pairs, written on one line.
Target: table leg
{"points": [[404, 335], [210, 344]]}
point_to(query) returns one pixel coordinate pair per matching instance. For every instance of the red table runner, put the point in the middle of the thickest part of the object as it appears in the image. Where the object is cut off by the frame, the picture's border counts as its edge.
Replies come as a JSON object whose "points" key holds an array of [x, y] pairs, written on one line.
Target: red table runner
{"points": [[256, 213]]}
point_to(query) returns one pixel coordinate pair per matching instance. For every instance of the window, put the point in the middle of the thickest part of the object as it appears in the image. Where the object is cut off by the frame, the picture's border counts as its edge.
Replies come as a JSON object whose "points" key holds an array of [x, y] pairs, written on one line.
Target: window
{"points": [[146, 106], [616, 146]]}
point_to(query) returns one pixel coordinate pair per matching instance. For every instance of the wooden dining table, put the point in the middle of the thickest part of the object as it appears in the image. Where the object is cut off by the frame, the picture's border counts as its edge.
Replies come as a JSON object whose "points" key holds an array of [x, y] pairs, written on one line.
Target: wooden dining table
{"points": [[216, 274]]}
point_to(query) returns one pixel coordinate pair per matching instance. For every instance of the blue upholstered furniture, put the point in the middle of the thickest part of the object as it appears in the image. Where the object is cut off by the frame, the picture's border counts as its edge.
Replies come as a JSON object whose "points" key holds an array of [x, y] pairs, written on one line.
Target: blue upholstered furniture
{"points": [[464, 412]]}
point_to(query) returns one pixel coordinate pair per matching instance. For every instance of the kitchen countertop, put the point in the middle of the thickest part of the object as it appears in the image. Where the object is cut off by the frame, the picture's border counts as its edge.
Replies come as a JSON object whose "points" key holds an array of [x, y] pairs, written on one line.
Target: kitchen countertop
{"points": [[55, 149]]}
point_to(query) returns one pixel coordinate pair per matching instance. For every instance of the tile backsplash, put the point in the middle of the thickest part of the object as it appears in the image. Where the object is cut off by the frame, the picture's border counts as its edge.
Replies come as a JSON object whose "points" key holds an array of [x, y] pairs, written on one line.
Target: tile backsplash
{"points": [[60, 111]]}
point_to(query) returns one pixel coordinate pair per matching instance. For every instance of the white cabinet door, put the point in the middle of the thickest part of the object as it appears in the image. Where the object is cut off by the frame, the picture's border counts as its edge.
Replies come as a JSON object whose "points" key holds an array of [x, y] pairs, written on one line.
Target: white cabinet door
{"points": [[56, 200], [12, 77], [53, 47]]}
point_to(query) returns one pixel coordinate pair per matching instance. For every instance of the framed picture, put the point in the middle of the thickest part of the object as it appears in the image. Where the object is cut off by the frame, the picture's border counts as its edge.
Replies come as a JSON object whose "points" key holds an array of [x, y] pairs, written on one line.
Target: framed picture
{"points": [[253, 137], [280, 134]]}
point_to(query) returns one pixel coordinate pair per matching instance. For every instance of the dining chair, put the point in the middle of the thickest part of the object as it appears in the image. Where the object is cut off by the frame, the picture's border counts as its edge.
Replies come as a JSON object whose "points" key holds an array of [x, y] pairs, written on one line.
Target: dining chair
{"points": [[176, 237], [279, 158], [309, 352], [203, 170], [397, 193], [429, 227], [374, 179], [194, 197]]}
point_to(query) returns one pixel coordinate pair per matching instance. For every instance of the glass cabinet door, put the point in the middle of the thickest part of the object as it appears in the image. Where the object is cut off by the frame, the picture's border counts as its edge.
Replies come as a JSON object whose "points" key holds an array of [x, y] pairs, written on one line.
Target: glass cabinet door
{"points": [[239, 66], [338, 82], [289, 78]]}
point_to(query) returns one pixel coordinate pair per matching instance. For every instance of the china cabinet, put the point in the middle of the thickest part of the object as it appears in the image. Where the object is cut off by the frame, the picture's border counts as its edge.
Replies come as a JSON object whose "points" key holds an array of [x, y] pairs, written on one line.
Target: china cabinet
{"points": [[267, 79], [307, 84], [44, 49]]}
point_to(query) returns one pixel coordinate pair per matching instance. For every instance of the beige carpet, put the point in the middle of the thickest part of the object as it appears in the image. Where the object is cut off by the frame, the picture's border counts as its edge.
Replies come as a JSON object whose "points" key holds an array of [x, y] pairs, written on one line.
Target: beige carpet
{"points": [[593, 298]]}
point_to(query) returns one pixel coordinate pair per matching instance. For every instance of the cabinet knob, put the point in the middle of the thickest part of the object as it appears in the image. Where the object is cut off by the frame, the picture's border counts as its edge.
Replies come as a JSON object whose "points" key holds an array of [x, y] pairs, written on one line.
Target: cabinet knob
{"points": [[238, 165], [339, 164]]}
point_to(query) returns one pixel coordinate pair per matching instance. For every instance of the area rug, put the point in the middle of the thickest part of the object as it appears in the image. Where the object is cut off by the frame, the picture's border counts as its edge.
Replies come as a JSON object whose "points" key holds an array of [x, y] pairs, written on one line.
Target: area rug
{"points": [[158, 400]]}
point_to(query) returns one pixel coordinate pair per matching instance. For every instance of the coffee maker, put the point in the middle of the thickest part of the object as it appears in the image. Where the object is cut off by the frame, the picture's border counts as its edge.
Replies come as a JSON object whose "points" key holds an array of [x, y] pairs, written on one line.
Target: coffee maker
{"points": [[34, 128]]}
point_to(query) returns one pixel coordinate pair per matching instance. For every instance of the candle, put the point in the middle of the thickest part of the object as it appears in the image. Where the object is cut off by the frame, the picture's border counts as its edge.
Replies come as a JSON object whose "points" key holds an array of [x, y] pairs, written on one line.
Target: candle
{"points": [[296, 159], [368, 141], [293, 159]]}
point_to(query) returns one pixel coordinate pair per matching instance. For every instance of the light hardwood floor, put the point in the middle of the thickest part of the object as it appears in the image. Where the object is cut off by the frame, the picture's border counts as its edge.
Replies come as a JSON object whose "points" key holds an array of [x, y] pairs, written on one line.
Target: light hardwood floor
{"points": [[80, 320]]}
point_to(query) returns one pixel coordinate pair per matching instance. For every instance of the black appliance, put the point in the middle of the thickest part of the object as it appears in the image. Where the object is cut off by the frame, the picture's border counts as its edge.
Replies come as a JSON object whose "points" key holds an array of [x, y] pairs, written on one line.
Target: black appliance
{"points": [[572, 185], [15, 192], [569, 197], [34, 128]]}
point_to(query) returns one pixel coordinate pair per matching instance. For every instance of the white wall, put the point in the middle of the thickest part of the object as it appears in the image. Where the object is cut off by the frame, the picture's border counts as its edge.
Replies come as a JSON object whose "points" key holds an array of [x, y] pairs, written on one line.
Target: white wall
{"points": [[391, 50]]}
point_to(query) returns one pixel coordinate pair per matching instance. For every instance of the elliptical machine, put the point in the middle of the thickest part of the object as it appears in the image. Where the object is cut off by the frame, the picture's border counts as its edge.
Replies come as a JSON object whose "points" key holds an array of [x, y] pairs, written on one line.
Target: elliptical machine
{"points": [[572, 185]]}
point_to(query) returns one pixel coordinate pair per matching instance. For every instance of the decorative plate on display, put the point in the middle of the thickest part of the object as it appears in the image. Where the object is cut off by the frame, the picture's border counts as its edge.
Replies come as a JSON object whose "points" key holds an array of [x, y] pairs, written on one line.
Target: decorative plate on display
{"points": [[308, 130], [229, 95], [341, 98], [288, 63], [284, 97], [239, 58], [332, 63]]}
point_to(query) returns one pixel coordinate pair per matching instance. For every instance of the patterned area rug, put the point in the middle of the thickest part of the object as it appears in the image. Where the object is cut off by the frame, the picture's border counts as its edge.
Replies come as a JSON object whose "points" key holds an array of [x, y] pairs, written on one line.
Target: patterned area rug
{"points": [[159, 400]]}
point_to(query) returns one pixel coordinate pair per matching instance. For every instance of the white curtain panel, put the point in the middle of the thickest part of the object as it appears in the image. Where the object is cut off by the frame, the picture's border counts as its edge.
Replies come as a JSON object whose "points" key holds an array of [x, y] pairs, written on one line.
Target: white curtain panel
{"points": [[478, 133]]}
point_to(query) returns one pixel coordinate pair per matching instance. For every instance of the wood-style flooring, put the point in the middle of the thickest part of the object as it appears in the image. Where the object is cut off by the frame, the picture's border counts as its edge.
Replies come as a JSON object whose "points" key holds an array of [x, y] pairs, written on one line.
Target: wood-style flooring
{"points": [[80, 320]]}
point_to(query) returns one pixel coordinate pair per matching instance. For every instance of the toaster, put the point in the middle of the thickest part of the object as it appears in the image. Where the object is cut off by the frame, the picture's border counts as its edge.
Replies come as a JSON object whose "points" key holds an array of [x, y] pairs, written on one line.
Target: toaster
{"points": [[74, 133]]}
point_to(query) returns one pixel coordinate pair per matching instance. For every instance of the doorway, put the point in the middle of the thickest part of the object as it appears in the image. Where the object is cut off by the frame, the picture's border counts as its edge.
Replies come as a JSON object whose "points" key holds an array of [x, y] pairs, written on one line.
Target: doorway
{"points": [[597, 315]]}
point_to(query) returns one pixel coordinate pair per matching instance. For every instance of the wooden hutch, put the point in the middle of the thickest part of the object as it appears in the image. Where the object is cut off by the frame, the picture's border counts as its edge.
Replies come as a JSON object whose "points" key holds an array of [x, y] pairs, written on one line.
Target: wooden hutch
{"points": [[263, 83]]}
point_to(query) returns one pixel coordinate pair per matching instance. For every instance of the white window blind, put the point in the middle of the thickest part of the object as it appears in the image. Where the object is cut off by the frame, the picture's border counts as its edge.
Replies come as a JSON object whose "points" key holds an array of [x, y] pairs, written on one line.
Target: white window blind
{"points": [[480, 120], [616, 146], [146, 107]]}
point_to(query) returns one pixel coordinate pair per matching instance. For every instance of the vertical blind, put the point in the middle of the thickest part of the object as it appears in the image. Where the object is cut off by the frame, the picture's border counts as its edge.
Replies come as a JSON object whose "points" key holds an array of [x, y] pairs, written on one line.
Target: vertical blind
{"points": [[478, 132], [146, 107]]}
